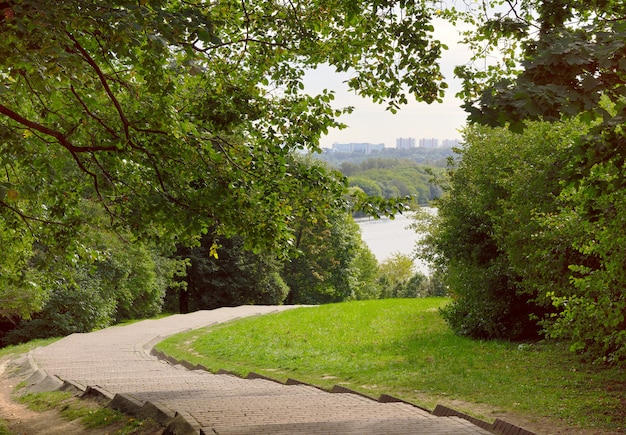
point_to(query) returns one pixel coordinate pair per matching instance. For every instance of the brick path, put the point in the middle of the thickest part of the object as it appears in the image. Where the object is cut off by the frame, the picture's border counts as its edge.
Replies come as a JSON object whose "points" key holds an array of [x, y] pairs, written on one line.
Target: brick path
{"points": [[116, 362]]}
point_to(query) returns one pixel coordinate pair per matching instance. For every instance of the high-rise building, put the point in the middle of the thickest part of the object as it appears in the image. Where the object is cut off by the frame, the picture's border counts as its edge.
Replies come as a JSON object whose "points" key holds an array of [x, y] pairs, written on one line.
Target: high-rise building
{"points": [[429, 143], [362, 148], [405, 143]]}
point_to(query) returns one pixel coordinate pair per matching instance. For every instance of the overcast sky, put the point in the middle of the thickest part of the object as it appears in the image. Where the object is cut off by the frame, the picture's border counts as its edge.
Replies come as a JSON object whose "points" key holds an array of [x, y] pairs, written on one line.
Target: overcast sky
{"points": [[372, 123]]}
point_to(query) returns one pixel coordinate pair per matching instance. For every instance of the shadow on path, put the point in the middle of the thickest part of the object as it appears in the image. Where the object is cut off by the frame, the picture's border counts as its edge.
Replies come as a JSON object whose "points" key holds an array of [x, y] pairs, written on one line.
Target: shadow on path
{"points": [[116, 363]]}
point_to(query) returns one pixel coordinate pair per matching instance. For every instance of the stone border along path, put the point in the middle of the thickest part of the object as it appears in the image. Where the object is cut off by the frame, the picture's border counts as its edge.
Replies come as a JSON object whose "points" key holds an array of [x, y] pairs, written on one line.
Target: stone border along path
{"points": [[116, 363]]}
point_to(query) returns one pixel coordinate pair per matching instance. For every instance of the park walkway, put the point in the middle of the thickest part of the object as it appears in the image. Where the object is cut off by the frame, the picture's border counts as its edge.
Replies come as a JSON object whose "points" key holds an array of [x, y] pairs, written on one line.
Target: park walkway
{"points": [[116, 362]]}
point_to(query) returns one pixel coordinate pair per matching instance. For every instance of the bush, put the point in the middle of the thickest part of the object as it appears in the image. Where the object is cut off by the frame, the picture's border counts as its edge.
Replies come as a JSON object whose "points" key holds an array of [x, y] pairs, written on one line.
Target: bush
{"points": [[591, 223], [228, 276], [531, 235], [486, 228], [98, 284], [79, 305]]}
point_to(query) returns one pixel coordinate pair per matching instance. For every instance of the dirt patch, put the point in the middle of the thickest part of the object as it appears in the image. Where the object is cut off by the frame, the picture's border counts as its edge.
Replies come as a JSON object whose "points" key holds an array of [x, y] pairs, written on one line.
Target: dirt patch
{"points": [[21, 420]]}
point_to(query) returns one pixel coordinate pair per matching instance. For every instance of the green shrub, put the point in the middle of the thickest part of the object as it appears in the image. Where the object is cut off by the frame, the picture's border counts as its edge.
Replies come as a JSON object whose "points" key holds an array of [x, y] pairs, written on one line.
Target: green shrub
{"points": [[486, 229], [104, 281], [76, 306], [531, 237], [593, 306], [229, 276]]}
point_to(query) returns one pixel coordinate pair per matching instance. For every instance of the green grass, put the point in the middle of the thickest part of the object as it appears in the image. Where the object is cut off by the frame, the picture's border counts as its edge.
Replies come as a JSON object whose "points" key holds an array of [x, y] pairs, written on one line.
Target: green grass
{"points": [[72, 409], [25, 347], [404, 348], [90, 414]]}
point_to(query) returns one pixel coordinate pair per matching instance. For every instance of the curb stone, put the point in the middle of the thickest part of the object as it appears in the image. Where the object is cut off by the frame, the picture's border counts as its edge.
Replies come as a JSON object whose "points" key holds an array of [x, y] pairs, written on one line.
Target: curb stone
{"points": [[498, 427]]}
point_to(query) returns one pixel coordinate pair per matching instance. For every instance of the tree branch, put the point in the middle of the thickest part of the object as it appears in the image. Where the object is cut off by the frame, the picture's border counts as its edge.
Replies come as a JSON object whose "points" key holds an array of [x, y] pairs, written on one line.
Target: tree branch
{"points": [[60, 137], [27, 218], [105, 85], [92, 115]]}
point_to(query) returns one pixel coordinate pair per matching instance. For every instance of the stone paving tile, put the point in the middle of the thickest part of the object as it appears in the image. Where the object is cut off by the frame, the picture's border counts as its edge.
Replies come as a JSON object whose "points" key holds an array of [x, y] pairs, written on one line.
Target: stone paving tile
{"points": [[117, 361]]}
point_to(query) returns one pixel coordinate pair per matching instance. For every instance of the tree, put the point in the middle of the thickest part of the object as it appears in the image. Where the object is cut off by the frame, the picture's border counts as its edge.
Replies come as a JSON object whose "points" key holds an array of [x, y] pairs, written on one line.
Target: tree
{"points": [[366, 265], [396, 177], [234, 276], [398, 279], [563, 60], [103, 280], [325, 268], [179, 116], [368, 186], [556, 58]]}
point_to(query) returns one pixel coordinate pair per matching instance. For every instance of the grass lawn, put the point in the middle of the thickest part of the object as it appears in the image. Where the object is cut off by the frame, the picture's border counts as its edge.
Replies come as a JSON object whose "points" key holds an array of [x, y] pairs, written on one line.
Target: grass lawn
{"points": [[23, 348], [402, 347]]}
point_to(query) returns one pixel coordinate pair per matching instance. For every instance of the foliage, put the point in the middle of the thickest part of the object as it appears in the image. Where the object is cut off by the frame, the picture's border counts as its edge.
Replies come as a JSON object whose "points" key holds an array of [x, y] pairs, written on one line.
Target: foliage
{"points": [[518, 244], [391, 178], [103, 279], [20, 292], [328, 262], [562, 60], [79, 305], [398, 279], [555, 58], [326, 269], [436, 285], [178, 117], [402, 347], [485, 236], [590, 223], [366, 265], [222, 273]]}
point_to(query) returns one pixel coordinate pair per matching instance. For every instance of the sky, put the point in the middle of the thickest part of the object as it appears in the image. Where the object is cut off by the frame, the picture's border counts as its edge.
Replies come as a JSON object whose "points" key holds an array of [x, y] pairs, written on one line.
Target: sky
{"points": [[371, 123]]}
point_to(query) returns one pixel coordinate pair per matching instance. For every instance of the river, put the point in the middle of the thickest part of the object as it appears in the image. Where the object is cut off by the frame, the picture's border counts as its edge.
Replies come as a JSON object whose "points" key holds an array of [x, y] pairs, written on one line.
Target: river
{"points": [[386, 237]]}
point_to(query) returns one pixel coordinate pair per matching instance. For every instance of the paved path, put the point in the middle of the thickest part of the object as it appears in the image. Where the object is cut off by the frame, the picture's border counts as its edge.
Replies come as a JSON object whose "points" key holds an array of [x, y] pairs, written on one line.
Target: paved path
{"points": [[116, 362]]}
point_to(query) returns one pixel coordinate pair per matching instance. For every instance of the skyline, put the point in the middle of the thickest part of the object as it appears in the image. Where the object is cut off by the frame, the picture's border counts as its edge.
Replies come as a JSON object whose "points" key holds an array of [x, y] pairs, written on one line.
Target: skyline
{"points": [[370, 122]]}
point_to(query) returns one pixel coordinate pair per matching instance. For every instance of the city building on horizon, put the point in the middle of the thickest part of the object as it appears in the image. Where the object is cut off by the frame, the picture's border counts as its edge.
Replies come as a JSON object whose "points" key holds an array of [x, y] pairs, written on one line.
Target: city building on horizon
{"points": [[401, 144], [405, 143], [362, 148], [429, 143]]}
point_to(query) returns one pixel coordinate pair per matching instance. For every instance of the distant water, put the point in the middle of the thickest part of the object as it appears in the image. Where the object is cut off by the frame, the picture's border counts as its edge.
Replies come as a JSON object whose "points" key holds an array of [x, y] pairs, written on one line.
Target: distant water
{"points": [[386, 237]]}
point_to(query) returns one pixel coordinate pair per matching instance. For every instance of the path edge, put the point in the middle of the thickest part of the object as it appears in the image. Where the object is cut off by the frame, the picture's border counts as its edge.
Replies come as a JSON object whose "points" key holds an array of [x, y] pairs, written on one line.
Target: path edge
{"points": [[499, 427], [38, 380]]}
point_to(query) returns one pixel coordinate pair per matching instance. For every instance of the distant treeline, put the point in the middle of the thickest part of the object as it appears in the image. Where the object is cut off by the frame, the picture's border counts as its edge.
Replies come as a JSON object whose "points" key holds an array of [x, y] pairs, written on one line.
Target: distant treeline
{"points": [[436, 157], [395, 177]]}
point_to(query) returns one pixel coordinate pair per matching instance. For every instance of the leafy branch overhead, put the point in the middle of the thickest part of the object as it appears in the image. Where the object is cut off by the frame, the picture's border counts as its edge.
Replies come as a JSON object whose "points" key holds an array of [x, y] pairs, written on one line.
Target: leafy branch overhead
{"points": [[555, 58], [183, 114]]}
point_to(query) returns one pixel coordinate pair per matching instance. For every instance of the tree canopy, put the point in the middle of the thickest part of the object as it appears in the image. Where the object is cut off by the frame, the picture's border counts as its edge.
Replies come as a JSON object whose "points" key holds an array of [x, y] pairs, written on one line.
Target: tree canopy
{"points": [[555, 58], [392, 178], [178, 113], [178, 116], [531, 230]]}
